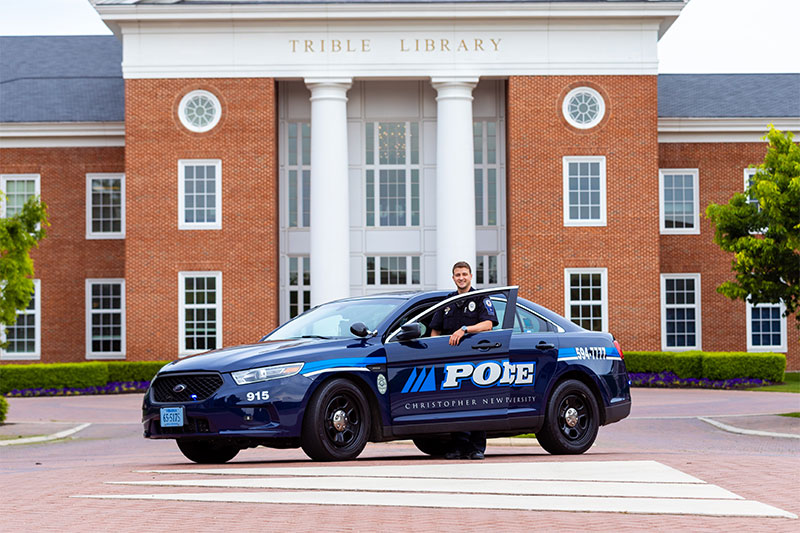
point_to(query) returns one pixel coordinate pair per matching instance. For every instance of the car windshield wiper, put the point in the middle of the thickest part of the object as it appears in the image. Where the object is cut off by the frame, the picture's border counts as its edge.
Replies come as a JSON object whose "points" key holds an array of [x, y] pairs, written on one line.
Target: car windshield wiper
{"points": [[314, 337]]}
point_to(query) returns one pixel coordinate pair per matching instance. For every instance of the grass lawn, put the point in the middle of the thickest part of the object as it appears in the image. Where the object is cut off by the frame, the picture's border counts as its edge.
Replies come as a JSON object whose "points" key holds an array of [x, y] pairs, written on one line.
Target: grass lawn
{"points": [[791, 384]]}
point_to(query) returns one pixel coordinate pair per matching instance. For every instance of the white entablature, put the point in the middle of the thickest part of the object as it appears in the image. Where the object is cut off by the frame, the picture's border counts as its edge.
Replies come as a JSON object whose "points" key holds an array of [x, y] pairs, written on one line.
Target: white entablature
{"points": [[389, 40]]}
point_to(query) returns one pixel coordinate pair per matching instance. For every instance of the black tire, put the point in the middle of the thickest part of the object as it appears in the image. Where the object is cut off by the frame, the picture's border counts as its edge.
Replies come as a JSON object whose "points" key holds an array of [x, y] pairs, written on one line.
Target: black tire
{"points": [[336, 424], [207, 452], [571, 419], [435, 446]]}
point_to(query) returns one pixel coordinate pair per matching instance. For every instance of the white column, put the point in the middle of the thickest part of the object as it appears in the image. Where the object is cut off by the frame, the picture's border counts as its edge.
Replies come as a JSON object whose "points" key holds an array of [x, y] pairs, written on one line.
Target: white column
{"points": [[330, 224], [455, 177]]}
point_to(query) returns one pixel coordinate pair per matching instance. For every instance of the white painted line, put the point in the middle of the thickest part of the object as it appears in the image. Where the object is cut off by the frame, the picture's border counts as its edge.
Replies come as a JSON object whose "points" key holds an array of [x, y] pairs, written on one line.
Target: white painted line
{"points": [[627, 471], [732, 429], [481, 501], [44, 438], [459, 486]]}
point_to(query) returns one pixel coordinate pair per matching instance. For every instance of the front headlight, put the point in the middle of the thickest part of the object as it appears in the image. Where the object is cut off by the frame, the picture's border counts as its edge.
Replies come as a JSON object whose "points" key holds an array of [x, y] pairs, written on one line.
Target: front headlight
{"points": [[254, 375]]}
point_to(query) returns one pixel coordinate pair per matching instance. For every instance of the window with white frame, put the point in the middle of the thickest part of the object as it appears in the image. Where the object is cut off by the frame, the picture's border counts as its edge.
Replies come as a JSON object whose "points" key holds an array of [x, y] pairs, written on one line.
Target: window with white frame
{"points": [[105, 318], [766, 328], [199, 194], [393, 270], [299, 285], [199, 111], [586, 297], [200, 304], [680, 312], [392, 174], [484, 135], [298, 174], [583, 107], [584, 191], [24, 336], [105, 206], [749, 174], [679, 201], [18, 188], [486, 271]]}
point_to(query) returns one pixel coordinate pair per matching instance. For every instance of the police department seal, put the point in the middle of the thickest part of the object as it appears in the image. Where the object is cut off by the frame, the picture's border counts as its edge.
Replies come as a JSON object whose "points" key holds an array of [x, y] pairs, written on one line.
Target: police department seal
{"points": [[382, 384]]}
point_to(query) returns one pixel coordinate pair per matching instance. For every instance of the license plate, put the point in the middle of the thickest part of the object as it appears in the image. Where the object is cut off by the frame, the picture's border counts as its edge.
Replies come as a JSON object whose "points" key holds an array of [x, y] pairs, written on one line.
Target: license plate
{"points": [[171, 417]]}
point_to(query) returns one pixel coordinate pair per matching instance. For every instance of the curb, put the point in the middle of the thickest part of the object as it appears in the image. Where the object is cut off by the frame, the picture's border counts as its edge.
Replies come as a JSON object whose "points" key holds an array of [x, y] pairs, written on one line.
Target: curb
{"points": [[44, 438], [732, 429]]}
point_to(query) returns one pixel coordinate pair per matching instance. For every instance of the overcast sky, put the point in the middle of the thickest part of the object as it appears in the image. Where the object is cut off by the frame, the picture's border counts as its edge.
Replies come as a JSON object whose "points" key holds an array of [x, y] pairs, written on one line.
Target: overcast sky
{"points": [[709, 36]]}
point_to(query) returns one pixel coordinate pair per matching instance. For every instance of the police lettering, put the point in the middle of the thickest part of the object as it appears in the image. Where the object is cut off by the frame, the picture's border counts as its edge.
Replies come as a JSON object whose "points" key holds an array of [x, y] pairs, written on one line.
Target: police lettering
{"points": [[489, 374]]}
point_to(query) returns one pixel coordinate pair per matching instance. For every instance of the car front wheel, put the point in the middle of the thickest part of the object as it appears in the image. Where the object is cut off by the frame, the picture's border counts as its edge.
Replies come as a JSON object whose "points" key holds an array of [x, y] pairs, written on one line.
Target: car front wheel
{"points": [[207, 451], [571, 419], [336, 424]]}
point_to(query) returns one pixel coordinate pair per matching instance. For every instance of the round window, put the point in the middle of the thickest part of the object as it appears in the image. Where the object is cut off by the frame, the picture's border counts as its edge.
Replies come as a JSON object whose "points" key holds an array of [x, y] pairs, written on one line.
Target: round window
{"points": [[584, 108], [199, 111]]}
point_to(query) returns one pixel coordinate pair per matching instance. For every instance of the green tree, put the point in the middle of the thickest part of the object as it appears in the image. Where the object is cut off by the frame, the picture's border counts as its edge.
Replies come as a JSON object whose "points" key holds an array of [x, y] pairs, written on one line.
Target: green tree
{"points": [[765, 237], [18, 235]]}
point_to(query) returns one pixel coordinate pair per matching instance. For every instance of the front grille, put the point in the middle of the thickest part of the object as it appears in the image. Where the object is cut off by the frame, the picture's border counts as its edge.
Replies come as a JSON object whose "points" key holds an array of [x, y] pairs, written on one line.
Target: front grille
{"points": [[196, 387]]}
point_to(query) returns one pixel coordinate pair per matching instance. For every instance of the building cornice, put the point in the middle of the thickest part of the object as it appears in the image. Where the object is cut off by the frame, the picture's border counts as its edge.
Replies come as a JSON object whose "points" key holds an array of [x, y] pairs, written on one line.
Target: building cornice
{"points": [[115, 14], [61, 134], [693, 129]]}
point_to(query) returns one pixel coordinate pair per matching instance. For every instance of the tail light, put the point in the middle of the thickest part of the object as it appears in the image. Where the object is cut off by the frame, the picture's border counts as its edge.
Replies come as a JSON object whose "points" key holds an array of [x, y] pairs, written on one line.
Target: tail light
{"points": [[619, 349]]}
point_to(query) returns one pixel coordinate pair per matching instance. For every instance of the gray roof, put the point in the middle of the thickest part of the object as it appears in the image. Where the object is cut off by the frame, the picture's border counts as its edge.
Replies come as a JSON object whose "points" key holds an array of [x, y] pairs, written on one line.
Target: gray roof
{"points": [[729, 95], [79, 79], [61, 79]]}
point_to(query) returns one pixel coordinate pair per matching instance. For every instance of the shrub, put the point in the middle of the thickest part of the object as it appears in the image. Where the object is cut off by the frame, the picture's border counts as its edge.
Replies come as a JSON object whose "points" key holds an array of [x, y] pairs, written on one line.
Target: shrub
{"points": [[3, 409], [650, 362], [121, 371], [730, 365], [709, 365], [52, 376], [688, 365]]}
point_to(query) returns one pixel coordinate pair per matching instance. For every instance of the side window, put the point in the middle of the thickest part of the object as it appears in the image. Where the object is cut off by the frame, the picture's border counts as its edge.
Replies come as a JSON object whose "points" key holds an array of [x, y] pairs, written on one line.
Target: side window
{"points": [[528, 322], [500, 309]]}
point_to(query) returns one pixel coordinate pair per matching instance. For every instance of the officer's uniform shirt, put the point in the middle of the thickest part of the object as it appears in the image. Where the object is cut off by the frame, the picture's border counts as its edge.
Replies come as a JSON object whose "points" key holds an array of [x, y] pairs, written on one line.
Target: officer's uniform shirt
{"points": [[464, 312]]}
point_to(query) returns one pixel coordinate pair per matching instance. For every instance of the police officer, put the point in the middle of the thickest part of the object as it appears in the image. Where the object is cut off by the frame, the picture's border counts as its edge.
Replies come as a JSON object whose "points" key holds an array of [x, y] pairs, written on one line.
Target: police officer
{"points": [[462, 317]]}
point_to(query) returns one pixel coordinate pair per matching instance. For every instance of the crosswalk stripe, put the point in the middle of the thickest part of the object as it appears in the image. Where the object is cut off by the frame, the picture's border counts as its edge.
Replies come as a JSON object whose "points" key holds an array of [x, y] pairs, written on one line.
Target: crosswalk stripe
{"points": [[482, 501], [625, 471], [475, 486]]}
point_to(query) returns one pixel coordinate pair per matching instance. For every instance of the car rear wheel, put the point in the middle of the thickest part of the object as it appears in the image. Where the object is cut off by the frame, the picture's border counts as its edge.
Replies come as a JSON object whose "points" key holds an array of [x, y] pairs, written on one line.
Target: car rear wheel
{"points": [[571, 419], [434, 445], [207, 451], [336, 424]]}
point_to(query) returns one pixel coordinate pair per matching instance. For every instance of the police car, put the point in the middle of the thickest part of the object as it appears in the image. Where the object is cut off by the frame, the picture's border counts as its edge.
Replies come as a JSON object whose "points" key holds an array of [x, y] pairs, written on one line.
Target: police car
{"points": [[366, 369]]}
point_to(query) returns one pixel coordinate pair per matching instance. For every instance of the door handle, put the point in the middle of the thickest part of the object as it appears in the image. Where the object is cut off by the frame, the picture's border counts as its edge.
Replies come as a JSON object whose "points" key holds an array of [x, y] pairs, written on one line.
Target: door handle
{"points": [[486, 346], [543, 345]]}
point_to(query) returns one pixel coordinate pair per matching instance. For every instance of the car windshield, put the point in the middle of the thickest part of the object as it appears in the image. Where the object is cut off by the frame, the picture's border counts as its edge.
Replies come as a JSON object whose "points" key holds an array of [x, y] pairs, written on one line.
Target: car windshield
{"points": [[333, 320]]}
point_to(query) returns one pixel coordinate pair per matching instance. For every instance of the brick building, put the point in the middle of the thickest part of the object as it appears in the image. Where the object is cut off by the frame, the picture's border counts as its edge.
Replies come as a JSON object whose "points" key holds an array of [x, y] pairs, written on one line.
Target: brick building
{"points": [[215, 168]]}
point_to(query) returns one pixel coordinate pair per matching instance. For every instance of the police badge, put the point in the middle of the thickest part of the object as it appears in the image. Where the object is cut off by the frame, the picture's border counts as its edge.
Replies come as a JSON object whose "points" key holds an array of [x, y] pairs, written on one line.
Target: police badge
{"points": [[471, 306]]}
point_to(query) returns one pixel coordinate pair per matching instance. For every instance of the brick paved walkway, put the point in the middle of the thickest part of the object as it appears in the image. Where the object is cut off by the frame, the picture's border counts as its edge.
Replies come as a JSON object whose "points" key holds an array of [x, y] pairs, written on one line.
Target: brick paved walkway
{"points": [[39, 480]]}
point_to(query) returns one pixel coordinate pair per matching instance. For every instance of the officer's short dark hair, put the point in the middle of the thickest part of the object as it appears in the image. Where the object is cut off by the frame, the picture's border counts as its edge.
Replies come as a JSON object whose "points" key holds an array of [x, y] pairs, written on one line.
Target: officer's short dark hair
{"points": [[462, 264]]}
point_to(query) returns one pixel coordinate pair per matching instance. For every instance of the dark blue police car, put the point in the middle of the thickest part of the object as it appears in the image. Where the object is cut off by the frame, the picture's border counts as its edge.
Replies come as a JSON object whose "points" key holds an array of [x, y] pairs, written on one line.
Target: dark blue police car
{"points": [[366, 369]]}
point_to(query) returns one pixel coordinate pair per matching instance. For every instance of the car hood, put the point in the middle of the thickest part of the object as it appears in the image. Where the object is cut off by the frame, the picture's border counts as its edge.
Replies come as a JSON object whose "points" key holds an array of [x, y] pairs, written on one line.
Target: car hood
{"points": [[263, 354]]}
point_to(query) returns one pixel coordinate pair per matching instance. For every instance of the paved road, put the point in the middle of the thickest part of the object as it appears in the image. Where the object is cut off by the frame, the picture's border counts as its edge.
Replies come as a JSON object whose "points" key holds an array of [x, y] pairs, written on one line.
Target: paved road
{"points": [[663, 433]]}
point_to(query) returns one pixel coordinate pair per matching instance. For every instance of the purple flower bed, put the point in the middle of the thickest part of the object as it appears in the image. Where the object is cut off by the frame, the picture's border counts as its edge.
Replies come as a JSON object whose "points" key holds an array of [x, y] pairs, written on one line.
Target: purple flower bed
{"points": [[114, 387], [670, 380]]}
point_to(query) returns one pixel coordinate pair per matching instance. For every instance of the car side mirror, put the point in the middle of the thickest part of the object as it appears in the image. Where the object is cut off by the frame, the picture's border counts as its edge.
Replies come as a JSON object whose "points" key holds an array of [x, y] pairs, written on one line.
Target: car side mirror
{"points": [[359, 329], [410, 331]]}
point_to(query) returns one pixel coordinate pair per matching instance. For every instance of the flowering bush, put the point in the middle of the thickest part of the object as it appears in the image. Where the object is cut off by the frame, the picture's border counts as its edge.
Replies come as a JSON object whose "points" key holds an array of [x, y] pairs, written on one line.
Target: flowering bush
{"points": [[114, 387], [671, 380]]}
